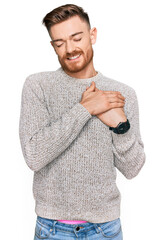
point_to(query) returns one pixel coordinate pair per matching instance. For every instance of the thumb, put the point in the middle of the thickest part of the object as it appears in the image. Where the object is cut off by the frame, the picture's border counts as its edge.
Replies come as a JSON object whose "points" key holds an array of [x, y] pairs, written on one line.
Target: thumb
{"points": [[92, 87]]}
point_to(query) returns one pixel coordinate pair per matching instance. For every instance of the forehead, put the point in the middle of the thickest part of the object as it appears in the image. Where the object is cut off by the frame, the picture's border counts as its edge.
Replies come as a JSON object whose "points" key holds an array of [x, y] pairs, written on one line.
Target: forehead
{"points": [[68, 27]]}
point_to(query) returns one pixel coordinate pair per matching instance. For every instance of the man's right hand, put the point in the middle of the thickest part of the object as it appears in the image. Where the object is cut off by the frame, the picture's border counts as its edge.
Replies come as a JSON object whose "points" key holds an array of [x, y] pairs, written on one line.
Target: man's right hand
{"points": [[97, 102]]}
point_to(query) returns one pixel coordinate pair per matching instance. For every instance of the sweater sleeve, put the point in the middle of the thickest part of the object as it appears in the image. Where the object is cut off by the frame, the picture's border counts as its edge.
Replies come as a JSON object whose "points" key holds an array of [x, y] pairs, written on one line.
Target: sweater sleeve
{"points": [[42, 140], [128, 148]]}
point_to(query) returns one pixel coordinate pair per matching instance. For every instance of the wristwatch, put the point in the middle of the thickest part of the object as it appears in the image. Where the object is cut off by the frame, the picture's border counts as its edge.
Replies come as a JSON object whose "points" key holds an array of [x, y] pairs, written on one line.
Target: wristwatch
{"points": [[121, 128]]}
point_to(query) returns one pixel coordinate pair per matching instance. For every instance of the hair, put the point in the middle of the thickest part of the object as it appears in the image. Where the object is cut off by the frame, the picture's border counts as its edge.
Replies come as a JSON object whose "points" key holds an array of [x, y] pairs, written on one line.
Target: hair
{"points": [[63, 13]]}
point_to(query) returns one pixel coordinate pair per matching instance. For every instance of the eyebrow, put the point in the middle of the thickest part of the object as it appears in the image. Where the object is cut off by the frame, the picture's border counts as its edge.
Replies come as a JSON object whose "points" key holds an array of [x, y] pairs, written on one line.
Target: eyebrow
{"points": [[74, 34]]}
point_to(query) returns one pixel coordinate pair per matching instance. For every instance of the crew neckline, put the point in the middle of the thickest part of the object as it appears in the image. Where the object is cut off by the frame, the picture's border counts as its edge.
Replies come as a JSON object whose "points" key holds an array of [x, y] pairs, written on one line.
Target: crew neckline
{"points": [[80, 80]]}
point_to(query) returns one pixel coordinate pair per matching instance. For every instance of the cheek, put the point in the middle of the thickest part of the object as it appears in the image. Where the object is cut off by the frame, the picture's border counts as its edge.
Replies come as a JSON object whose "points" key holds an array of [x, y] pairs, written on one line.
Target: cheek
{"points": [[84, 44], [61, 55], [86, 47]]}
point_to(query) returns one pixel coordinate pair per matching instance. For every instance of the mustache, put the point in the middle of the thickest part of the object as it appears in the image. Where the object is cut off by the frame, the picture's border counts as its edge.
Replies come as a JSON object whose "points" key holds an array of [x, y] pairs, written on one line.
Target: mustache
{"points": [[73, 54]]}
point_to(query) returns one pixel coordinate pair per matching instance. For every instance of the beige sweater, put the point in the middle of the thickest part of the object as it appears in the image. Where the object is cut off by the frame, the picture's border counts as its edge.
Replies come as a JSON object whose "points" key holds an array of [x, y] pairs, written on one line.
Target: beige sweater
{"points": [[73, 154]]}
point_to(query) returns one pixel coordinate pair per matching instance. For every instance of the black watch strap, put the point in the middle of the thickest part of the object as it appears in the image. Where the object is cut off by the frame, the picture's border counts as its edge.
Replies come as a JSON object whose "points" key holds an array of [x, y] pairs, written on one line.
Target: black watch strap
{"points": [[121, 128]]}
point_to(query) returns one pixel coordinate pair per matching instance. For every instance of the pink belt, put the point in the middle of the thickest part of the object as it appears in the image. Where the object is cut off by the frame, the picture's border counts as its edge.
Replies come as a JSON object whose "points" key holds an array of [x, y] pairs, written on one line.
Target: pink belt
{"points": [[71, 221]]}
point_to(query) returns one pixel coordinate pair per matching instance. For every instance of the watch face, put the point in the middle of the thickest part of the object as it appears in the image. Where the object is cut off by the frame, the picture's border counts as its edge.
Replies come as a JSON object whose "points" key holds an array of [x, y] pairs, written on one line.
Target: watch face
{"points": [[121, 128], [124, 127]]}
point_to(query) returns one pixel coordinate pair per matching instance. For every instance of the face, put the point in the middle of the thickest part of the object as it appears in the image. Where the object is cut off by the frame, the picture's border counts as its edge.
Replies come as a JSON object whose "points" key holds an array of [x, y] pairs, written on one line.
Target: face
{"points": [[73, 39]]}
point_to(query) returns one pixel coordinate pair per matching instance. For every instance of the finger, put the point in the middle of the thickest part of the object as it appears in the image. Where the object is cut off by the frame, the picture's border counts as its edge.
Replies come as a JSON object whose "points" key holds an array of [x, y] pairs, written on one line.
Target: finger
{"points": [[114, 94], [111, 92], [116, 105], [115, 99], [96, 89], [121, 97], [91, 88]]}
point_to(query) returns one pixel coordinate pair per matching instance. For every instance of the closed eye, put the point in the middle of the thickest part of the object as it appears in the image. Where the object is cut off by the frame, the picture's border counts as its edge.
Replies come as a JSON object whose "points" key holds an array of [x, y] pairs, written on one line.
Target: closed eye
{"points": [[76, 40], [59, 45]]}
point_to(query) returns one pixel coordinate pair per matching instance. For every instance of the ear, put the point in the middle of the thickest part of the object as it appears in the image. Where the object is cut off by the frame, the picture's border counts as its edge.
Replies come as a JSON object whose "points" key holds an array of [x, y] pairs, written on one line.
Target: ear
{"points": [[53, 46], [51, 43], [93, 35]]}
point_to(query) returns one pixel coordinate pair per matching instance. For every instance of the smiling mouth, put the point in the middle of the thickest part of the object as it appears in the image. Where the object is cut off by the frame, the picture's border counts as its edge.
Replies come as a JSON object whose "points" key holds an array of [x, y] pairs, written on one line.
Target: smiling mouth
{"points": [[74, 58]]}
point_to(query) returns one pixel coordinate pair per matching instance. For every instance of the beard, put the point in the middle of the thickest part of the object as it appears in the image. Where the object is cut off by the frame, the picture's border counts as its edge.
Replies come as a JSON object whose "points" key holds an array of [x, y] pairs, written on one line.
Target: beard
{"points": [[76, 66]]}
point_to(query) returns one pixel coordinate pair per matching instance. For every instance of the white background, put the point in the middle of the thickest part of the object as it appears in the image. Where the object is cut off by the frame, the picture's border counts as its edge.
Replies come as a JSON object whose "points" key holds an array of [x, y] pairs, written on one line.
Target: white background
{"points": [[130, 49]]}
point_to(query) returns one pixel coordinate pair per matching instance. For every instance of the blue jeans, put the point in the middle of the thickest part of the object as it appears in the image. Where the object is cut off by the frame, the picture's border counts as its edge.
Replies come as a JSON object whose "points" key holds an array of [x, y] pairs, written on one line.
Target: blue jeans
{"points": [[52, 229]]}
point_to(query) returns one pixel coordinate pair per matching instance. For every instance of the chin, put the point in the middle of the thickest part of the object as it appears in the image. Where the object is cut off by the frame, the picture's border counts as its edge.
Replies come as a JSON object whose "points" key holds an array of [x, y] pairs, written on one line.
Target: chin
{"points": [[74, 69]]}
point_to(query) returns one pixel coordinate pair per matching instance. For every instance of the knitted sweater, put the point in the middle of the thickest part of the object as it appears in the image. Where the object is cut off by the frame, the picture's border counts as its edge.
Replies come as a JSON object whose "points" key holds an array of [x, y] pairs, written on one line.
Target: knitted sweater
{"points": [[73, 154]]}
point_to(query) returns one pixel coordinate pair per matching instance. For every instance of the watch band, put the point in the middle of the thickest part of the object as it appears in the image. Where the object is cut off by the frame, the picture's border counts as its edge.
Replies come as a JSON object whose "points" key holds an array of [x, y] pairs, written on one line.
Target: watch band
{"points": [[121, 128]]}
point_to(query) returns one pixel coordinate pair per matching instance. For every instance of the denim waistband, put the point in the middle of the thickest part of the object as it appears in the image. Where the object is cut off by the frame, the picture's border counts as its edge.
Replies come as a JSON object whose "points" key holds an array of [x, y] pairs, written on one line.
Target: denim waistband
{"points": [[67, 227]]}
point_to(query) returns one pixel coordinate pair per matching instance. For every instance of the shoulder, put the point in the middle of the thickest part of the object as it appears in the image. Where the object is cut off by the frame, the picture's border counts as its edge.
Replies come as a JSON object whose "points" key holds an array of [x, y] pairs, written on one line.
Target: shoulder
{"points": [[43, 80], [39, 77], [111, 84], [126, 90]]}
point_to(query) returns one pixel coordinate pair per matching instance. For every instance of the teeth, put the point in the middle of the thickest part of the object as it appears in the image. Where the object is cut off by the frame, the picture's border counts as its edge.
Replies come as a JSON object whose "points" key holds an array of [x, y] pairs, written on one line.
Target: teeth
{"points": [[74, 57]]}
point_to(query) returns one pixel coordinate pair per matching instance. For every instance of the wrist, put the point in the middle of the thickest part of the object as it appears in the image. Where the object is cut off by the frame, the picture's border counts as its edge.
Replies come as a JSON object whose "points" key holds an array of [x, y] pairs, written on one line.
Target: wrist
{"points": [[88, 109], [121, 128], [115, 124]]}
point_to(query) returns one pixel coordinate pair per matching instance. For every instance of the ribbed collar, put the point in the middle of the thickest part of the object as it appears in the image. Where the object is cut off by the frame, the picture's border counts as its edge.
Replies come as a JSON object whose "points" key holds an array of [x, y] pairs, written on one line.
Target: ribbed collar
{"points": [[98, 76]]}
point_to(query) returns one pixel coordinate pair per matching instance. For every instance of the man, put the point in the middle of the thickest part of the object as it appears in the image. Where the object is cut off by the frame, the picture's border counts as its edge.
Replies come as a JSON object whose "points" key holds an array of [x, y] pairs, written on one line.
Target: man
{"points": [[76, 127]]}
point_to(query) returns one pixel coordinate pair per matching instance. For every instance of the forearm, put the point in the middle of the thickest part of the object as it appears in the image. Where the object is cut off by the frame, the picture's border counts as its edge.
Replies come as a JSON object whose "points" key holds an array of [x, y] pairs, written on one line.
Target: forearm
{"points": [[129, 156], [49, 142], [128, 148]]}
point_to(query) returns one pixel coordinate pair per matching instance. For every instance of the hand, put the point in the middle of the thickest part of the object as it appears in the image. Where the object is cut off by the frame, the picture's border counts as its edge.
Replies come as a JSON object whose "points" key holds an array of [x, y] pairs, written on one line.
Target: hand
{"points": [[111, 117], [99, 101]]}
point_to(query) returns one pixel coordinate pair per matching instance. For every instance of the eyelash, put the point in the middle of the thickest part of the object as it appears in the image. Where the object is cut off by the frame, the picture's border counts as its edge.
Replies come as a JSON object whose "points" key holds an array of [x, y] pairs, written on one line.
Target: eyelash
{"points": [[74, 40]]}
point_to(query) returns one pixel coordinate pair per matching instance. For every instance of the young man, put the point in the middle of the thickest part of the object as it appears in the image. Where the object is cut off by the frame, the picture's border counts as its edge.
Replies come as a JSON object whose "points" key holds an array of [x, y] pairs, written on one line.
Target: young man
{"points": [[76, 127]]}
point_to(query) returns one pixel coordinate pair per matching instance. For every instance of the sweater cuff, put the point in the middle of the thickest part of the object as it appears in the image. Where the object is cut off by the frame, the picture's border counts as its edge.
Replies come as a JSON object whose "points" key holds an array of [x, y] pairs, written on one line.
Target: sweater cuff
{"points": [[122, 138], [124, 142], [83, 113]]}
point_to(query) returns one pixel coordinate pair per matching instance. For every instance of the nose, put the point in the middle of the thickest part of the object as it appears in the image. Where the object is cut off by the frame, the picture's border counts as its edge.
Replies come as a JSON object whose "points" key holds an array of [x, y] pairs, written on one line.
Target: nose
{"points": [[70, 46]]}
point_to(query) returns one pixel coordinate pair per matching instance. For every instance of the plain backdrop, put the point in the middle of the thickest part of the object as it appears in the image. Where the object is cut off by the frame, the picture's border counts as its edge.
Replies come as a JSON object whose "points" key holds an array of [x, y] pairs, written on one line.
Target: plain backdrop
{"points": [[130, 49]]}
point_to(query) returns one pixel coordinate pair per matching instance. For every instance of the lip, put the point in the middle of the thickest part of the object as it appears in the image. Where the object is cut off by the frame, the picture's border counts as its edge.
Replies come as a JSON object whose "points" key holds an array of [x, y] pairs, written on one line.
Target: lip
{"points": [[72, 60]]}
